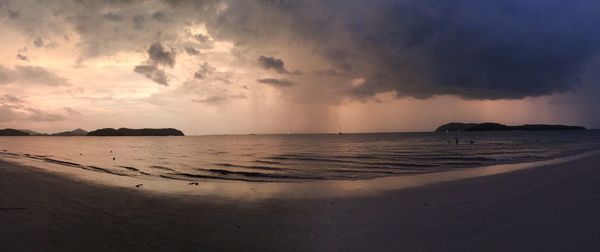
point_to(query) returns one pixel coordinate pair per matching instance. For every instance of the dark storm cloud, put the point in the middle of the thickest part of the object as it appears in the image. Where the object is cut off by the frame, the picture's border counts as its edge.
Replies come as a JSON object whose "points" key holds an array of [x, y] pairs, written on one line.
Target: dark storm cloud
{"points": [[113, 16], [204, 41], [138, 22], [159, 54], [106, 27], [160, 16], [329, 72], [475, 49], [339, 58], [271, 63], [478, 49], [276, 82], [153, 73]]}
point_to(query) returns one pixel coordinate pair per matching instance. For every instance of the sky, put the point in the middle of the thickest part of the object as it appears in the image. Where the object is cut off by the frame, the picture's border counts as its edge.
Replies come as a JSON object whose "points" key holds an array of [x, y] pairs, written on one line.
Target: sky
{"points": [[302, 66]]}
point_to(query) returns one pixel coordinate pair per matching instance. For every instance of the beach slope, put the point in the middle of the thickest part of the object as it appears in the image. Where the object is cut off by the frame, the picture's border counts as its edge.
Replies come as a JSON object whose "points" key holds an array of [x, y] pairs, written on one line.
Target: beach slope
{"points": [[553, 207]]}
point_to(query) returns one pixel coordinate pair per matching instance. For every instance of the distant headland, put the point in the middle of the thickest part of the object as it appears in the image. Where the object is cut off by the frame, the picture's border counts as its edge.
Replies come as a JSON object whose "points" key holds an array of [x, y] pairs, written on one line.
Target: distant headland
{"points": [[12, 132], [99, 132], [455, 127], [136, 132]]}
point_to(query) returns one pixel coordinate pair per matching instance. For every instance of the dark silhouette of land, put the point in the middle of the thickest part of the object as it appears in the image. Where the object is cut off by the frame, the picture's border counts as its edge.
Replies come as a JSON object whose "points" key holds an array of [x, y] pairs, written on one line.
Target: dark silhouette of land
{"points": [[136, 132], [99, 132], [32, 133], [75, 132], [453, 127], [13, 132]]}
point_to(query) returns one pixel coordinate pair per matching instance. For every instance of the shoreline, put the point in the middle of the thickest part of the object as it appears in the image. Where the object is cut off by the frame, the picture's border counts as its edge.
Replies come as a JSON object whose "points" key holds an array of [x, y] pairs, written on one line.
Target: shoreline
{"points": [[551, 207], [251, 190]]}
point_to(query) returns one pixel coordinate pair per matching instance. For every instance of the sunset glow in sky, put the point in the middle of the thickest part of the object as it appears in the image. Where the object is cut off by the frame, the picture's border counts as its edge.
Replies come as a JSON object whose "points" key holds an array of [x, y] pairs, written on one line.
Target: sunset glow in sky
{"points": [[260, 66]]}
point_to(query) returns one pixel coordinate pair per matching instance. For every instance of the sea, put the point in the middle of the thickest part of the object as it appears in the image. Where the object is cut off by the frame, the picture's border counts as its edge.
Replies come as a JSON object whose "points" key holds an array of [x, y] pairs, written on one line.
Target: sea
{"points": [[298, 157]]}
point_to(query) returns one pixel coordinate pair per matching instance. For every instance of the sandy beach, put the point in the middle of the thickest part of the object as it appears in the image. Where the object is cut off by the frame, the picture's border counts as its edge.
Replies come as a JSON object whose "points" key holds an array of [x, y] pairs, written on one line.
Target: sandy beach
{"points": [[552, 207]]}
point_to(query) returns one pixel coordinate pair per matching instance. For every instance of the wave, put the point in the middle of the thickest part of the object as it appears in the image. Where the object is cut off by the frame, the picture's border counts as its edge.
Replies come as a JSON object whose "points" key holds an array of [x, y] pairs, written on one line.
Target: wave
{"points": [[161, 168], [239, 176], [61, 162], [257, 167], [130, 168]]}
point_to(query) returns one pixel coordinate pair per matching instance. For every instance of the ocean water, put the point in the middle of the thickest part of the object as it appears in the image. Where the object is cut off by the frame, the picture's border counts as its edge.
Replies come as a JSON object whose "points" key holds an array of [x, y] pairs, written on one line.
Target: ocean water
{"points": [[297, 157]]}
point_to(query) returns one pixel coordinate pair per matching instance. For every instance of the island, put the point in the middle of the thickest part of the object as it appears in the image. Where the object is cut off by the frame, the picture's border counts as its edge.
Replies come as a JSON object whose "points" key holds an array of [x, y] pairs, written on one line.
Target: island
{"points": [[136, 132], [12, 132], [488, 126], [75, 132]]}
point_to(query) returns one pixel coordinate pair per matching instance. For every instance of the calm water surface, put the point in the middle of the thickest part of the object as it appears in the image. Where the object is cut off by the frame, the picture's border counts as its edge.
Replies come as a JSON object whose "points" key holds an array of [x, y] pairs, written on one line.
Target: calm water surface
{"points": [[297, 157]]}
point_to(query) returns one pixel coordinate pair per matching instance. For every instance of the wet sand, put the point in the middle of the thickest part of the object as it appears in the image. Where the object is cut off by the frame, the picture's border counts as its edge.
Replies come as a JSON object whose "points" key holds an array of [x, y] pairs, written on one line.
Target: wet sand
{"points": [[552, 207]]}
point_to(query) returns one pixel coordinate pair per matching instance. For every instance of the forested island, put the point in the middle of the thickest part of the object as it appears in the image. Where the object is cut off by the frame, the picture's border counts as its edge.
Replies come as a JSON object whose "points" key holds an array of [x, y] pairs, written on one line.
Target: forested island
{"points": [[99, 132], [455, 127], [136, 132]]}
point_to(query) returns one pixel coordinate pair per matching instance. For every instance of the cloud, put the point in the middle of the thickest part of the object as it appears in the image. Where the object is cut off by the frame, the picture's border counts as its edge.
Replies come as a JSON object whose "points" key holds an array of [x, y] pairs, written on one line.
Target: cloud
{"points": [[22, 57], [153, 73], [39, 75], [474, 49], [7, 114], [21, 54], [339, 58], [72, 112], [488, 49], [159, 55], [192, 51], [211, 99], [161, 16], [218, 99], [7, 75], [204, 71], [204, 41], [15, 109], [107, 27], [30, 75], [43, 116], [328, 72], [9, 99], [276, 82], [38, 42], [271, 63]]}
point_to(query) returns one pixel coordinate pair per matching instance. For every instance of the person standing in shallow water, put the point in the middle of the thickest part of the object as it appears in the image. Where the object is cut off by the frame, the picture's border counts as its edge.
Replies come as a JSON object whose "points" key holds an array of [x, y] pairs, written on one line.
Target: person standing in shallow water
{"points": [[456, 140]]}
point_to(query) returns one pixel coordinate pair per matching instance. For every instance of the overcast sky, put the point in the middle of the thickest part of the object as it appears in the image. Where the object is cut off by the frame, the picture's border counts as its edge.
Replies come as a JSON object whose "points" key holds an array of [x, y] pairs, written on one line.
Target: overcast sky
{"points": [[277, 66]]}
